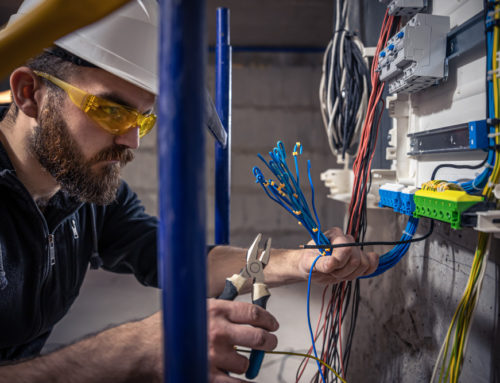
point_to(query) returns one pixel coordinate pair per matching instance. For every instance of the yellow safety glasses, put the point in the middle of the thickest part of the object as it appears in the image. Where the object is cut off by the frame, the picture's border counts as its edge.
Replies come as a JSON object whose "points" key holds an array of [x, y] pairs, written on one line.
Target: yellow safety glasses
{"points": [[112, 117]]}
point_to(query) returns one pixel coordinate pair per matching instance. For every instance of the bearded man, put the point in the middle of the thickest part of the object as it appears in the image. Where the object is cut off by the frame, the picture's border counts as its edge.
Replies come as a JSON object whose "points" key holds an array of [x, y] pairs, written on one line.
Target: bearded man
{"points": [[73, 124]]}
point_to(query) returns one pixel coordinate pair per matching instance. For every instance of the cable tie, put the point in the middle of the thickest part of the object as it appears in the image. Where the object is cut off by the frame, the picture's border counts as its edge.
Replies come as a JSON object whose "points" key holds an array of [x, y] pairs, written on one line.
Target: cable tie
{"points": [[488, 165], [408, 234], [491, 184], [492, 72], [315, 229], [475, 187], [295, 195], [492, 13], [492, 135], [492, 24]]}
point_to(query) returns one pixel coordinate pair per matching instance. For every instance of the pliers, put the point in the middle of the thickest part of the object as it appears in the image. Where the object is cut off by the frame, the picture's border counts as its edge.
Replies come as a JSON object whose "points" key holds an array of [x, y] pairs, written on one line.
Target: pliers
{"points": [[254, 269]]}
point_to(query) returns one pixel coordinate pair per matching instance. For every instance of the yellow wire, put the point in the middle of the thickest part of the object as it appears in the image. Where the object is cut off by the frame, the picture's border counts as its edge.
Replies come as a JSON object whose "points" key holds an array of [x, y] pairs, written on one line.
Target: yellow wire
{"points": [[299, 354], [462, 318]]}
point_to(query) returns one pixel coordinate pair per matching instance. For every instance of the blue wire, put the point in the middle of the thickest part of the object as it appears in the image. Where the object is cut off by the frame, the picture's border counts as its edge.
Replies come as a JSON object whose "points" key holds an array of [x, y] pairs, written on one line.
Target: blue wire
{"points": [[392, 257], [309, 316]]}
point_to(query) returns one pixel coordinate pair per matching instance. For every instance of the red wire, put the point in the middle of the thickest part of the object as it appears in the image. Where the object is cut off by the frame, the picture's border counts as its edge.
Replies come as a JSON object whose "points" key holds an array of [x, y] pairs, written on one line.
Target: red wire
{"points": [[316, 335]]}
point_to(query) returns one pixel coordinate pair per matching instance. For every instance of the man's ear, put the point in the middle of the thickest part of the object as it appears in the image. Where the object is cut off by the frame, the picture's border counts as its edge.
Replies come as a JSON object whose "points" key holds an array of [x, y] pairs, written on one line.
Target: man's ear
{"points": [[26, 91]]}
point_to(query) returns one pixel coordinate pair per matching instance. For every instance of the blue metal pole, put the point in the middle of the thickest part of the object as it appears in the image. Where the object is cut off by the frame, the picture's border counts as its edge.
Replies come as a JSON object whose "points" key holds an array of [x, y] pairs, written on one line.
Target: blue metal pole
{"points": [[181, 155], [223, 105]]}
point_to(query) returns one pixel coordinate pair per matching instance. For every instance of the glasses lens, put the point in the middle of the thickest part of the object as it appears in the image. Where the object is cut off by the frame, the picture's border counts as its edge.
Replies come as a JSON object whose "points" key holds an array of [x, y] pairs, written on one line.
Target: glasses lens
{"points": [[147, 123], [114, 118]]}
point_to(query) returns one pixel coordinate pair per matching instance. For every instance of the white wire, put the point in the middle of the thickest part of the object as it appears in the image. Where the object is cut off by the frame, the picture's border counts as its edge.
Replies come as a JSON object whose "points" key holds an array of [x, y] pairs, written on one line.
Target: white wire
{"points": [[328, 106]]}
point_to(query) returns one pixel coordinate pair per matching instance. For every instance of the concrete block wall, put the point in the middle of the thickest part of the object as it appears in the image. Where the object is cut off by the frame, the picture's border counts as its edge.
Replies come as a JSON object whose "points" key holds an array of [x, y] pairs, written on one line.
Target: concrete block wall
{"points": [[273, 100]]}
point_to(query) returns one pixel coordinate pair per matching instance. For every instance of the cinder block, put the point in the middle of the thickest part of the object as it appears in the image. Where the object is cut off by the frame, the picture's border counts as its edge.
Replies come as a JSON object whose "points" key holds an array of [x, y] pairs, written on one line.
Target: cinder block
{"points": [[275, 86], [262, 128], [149, 200], [142, 171], [149, 140]]}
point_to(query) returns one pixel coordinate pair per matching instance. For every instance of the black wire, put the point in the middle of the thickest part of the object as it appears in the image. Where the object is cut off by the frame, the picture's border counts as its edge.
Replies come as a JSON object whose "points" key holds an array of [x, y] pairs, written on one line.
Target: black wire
{"points": [[353, 244], [453, 166], [349, 97]]}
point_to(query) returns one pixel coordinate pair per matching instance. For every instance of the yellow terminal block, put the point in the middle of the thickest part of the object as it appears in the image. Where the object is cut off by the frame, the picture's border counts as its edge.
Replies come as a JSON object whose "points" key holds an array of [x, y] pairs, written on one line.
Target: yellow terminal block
{"points": [[446, 206]]}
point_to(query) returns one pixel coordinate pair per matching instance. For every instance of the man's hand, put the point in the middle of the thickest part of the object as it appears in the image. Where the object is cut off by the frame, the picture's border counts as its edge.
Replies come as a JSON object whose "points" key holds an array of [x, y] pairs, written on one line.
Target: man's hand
{"points": [[233, 324], [345, 263]]}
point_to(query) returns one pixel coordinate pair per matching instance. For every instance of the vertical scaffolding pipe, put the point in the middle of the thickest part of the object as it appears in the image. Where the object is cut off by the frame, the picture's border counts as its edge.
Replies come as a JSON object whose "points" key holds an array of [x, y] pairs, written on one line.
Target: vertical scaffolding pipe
{"points": [[223, 106], [181, 155]]}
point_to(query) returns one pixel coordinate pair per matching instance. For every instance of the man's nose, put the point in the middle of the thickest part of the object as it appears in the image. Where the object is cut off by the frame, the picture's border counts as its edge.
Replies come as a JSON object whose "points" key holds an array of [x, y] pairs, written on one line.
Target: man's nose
{"points": [[129, 139]]}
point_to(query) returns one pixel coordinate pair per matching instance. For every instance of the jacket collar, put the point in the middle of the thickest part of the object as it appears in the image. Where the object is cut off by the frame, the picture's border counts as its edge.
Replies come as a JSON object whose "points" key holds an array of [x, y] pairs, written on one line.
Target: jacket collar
{"points": [[60, 205]]}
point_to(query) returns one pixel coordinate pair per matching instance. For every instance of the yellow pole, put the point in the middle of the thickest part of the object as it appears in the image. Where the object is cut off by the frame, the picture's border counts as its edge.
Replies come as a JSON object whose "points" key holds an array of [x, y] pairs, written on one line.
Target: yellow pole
{"points": [[5, 97], [45, 23]]}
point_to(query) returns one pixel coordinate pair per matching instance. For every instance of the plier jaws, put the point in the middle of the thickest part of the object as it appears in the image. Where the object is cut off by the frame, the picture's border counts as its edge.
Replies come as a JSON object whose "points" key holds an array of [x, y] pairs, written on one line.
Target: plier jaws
{"points": [[254, 270], [255, 265]]}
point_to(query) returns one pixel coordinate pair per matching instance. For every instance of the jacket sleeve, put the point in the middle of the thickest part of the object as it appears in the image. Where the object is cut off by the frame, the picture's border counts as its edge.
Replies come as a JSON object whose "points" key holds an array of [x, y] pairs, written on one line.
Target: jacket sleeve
{"points": [[127, 237]]}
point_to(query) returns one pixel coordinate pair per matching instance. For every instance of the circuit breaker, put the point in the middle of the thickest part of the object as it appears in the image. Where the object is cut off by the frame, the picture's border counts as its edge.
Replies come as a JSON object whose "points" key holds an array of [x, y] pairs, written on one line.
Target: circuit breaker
{"points": [[406, 7], [414, 58]]}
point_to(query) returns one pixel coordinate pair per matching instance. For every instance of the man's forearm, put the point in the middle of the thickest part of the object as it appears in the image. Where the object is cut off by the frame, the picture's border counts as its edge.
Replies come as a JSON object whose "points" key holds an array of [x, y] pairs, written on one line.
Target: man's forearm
{"points": [[224, 261], [127, 353]]}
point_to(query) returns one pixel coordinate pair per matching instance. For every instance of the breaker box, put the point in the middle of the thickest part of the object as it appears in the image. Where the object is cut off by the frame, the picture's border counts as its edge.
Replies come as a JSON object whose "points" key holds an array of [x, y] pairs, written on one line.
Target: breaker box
{"points": [[414, 58]]}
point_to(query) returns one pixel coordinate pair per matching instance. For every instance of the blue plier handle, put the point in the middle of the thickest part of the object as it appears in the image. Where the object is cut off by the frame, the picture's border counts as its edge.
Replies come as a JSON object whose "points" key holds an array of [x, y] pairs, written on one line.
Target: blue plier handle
{"points": [[253, 269]]}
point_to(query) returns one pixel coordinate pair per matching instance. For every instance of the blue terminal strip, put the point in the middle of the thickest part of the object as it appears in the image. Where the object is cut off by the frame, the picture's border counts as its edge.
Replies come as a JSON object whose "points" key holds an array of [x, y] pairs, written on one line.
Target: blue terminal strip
{"points": [[478, 134], [397, 197], [407, 205]]}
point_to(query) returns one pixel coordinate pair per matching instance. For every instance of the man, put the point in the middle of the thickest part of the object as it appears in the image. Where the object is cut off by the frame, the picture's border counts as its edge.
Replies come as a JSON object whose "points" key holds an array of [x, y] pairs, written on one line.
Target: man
{"points": [[75, 120]]}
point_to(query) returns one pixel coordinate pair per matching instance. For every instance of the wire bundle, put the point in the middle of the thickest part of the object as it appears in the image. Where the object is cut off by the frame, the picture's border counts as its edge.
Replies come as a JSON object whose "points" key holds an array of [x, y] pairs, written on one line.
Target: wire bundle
{"points": [[344, 86], [362, 164], [392, 257], [450, 359], [286, 192]]}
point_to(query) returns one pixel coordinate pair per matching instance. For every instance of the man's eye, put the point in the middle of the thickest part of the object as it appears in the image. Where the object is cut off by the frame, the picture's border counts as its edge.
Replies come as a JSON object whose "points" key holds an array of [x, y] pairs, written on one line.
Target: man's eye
{"points": [[113, 111]]}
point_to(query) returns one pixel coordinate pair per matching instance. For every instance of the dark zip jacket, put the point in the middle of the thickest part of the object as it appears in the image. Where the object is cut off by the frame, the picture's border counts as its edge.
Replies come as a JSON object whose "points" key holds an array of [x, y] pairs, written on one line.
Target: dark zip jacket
{"points": [[44, 256]]}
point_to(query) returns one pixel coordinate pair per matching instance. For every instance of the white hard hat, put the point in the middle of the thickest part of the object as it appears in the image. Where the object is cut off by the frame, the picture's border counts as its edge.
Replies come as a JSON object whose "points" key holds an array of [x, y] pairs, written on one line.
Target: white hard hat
{"points": [[124, 43]]}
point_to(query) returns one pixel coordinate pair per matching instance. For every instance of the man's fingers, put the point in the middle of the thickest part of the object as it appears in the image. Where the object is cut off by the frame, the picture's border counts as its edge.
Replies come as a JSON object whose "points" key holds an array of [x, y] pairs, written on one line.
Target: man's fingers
{"points": [[373, 259], [229, 360], [217, 376], [358, 264], [357, 272], [248, 313], [252, 337]]}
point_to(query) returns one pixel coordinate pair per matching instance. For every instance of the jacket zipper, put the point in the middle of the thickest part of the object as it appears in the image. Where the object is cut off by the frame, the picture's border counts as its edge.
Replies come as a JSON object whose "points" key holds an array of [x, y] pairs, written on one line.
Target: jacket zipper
{"points": [[73, 227], [52, 253]]}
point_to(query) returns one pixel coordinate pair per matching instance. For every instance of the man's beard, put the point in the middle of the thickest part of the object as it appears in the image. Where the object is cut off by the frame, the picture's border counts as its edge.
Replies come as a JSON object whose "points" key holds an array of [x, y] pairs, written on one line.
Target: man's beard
{"points": [[58, 152]]}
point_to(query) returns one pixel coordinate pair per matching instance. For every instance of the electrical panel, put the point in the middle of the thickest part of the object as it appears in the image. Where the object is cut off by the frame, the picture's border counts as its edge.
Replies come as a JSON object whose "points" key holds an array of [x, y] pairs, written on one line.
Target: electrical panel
{"points": [[414, 58], [406, 7]]}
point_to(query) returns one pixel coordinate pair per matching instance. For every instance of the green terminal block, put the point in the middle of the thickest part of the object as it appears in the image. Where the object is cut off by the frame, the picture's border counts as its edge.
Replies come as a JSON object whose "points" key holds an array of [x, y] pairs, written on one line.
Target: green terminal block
{"points": [[446, 206]]}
